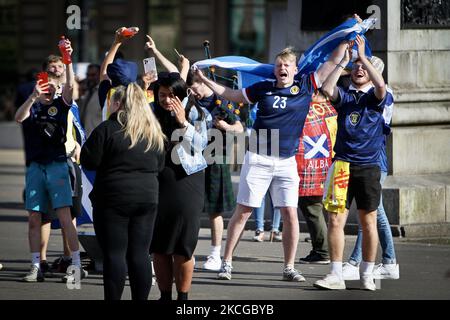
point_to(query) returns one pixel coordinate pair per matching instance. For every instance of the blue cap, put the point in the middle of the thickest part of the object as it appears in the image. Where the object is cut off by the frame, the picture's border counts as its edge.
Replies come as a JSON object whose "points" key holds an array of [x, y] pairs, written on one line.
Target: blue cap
{"points": [[122, 72]]}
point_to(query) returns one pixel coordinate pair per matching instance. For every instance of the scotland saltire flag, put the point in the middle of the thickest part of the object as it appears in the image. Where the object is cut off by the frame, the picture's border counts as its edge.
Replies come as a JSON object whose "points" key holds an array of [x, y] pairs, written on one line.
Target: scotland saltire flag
{"points": [[87, 177], [316, 147], [81, 135], [251, 71], [319, 52]]}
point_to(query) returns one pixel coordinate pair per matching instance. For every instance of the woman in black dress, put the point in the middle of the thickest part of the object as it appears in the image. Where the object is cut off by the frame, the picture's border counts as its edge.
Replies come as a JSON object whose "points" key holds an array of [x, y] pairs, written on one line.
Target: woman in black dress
{"points": [[181, 186]]}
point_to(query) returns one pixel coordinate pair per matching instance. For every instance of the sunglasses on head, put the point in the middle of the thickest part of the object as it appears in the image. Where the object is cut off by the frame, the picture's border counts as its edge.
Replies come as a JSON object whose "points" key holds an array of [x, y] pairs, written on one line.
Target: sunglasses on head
{"points": [[169, 75]]}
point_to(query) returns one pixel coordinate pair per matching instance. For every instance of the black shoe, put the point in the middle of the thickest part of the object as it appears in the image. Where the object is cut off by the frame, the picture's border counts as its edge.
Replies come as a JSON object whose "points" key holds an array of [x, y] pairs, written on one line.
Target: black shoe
{"points": [[45, 267], [314, 258], [60, 265]]}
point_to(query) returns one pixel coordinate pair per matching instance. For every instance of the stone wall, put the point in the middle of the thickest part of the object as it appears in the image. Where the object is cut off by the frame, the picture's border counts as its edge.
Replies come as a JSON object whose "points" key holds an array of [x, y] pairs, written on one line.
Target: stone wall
{"points": [[418, 61]]}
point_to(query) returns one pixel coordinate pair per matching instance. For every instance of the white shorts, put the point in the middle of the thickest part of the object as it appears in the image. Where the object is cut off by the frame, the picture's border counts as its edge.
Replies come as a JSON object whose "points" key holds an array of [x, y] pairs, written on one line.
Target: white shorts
{"points": [[261, 173]]}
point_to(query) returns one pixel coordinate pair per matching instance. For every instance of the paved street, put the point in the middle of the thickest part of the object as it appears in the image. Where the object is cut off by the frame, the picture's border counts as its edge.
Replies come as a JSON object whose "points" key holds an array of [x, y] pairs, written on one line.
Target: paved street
{"points": [[424, 268]]}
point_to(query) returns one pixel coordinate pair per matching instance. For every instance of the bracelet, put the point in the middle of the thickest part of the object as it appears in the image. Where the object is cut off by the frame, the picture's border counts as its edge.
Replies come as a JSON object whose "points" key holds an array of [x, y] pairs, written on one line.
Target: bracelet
{"points": [[340, 65]]}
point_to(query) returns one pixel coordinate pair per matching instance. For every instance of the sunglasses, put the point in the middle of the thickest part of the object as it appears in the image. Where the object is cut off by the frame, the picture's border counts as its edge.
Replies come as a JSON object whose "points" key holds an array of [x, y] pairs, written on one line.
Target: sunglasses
{"points": [[356, 66], [169, 75]]}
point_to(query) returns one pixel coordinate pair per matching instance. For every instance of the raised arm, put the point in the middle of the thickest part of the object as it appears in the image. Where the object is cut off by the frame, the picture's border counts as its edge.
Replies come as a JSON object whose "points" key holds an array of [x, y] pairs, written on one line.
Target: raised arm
{"points": [[374, 75], [184, 64], [228, 93], [118, 40], [69, 86], [151, 46], [326, 68], [329, 87], [24, 110]]}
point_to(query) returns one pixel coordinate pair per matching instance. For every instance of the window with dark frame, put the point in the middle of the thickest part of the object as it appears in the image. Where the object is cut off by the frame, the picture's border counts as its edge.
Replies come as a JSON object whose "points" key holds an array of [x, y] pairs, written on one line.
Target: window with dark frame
{"points": [[430, 14], [164, 20], [322, 15], [247, 28]]}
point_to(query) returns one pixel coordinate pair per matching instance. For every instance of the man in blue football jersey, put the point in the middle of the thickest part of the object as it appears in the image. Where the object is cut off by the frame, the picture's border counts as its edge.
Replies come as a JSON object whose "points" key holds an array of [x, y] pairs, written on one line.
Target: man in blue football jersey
{"points": [[44, 120], [270, 165], [359, 141]]}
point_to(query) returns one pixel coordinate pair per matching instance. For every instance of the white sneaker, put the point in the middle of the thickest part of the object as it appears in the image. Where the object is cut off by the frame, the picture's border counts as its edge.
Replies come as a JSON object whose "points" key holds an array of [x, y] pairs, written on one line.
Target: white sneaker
{"points": [[349, 271], [225, 271], [291, 274], [386, 271], [367, 283], [212, 263], [331, 282]]}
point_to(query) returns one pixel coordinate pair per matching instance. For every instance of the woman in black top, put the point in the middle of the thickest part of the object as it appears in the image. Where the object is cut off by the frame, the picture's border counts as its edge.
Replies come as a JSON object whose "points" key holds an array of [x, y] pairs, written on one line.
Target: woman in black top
{"points": [[181, 188], [127, 153]]}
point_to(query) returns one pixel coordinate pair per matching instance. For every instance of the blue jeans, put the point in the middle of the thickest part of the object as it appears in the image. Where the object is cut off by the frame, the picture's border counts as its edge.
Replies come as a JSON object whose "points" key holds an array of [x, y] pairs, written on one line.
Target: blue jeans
{"points": [[384, 233], [259, 216]]}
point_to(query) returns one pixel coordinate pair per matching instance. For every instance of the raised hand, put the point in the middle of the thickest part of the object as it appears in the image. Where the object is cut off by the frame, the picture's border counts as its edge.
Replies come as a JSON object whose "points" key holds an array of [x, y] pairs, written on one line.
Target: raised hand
{"points": [[40, 88], [118, 37], [178, 110], [148, 78], [361, 43], [150, 44], [347, 55], [68, 46], [198, 72], [183, 62], [358, 18]]}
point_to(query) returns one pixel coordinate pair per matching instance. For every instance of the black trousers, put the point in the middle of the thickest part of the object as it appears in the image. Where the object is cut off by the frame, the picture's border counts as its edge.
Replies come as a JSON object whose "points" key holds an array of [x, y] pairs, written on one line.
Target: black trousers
{"points": [[124, 233]]}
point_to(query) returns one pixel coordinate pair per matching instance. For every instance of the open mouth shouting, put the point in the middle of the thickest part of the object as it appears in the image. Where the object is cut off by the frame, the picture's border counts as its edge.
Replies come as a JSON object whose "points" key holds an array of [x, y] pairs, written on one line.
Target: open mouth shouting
{"points": [[283, 75], [360, 74]]}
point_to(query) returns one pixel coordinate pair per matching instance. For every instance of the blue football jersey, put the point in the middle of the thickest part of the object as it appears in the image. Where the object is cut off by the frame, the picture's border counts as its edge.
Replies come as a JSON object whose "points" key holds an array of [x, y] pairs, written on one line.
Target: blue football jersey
{"points": [[360, 136], [282, 109], [45, 132]]}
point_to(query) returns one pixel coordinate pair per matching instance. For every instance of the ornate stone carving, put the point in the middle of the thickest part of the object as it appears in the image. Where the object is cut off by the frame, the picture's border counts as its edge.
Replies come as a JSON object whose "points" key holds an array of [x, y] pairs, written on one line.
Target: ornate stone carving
{"points": [[425, 14]]}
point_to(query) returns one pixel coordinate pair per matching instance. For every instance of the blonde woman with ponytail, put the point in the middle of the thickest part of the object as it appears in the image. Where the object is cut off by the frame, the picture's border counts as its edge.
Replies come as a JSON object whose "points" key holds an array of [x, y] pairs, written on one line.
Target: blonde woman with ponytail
{"points": [[127, 152]]}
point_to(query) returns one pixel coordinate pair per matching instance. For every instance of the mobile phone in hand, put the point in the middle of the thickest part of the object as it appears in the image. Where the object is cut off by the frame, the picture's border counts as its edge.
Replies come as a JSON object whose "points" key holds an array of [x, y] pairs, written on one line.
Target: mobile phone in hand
{"points": [[150, 67], [42, 80]]}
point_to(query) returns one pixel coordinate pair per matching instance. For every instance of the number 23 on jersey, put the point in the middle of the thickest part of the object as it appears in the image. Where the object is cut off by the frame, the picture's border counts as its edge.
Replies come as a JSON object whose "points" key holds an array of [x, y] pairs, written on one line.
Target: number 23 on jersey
{"points": [[279, 102]]}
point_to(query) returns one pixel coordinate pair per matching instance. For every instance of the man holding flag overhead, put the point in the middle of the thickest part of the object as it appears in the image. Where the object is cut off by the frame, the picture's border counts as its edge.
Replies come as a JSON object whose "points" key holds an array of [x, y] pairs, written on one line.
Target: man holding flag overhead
{"points": [[359, 142], [282, 108]]}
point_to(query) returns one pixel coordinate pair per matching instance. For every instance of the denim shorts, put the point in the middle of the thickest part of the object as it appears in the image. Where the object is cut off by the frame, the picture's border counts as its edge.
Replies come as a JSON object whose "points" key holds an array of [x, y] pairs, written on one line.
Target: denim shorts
{"points": [[47, 182]]}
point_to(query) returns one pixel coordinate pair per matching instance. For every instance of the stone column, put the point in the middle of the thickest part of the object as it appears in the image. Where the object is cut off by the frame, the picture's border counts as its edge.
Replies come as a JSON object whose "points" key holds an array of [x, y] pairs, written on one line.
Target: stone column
{"points": [[418, 63]]}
